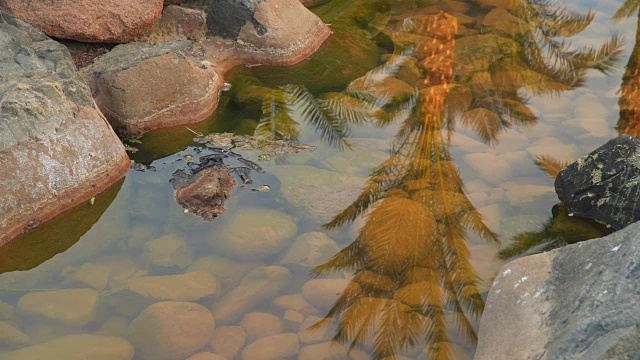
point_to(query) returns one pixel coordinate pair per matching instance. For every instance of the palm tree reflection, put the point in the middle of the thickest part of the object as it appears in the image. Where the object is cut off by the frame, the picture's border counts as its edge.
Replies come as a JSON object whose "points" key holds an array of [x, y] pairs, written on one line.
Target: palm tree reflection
{"points": [[413, 281]]}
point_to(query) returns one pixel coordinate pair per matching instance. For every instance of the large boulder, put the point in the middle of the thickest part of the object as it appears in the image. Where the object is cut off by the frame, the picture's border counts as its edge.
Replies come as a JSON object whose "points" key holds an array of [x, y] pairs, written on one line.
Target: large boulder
{"points": [[142, 87], [604, 185], [277, 32], [104, 21], [56, 148], [577, 302]]}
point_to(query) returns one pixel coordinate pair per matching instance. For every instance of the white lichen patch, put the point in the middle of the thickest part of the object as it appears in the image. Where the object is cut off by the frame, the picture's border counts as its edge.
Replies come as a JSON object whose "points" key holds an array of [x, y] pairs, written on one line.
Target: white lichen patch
{"points": [[596, 177], [506, 272], [615, 248]]}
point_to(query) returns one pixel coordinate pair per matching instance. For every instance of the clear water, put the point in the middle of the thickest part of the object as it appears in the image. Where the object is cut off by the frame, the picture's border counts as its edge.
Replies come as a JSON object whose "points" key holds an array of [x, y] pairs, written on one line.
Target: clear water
{"points": [[443, 180]]}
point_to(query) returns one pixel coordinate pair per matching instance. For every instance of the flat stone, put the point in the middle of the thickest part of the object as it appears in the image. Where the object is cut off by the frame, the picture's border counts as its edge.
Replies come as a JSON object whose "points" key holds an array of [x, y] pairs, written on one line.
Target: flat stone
{"points": [[317, 195], [227, 271], [88, 275], [168, 251], [206, 356], [227, 341], [6, 311], [273, 347], [489, 167], [258, 325], [323, 351], [171, 330], [520, 194], [11, 338], [259, 286], [115, 326], [140, 292], [292, 320], [316, 335], [252, 234], [309, 250], [294, 302], [71, 307], [323, 293], [561, 152], [76, 347]]}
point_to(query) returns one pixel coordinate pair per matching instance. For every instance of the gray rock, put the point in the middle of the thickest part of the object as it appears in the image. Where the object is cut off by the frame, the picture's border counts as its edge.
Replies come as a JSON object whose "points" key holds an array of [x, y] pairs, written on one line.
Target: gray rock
{"points": [[71, 307], [56, 150], [601, 184], [258, 287], [76, 347], [577, 302], [171, 330]]}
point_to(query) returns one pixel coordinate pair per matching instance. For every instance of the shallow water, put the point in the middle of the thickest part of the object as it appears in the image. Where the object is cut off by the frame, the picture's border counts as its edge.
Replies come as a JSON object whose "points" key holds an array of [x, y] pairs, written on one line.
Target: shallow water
{"points": [[443, 135]]}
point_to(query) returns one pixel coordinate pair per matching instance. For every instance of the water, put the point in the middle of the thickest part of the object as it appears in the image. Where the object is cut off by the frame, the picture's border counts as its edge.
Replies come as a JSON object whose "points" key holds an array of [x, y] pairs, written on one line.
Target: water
{"points": [[426, 128]]}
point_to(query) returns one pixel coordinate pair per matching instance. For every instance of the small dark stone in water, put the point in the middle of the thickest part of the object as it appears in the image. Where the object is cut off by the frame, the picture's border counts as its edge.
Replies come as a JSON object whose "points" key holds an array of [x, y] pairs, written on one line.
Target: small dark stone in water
{"points": [[204, 193], [604, 185]]}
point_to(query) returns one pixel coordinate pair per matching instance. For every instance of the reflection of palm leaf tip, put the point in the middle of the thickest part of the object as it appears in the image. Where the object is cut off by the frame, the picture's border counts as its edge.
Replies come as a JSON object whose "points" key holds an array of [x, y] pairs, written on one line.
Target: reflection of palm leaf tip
{"points": [[316, 112], [276, 122], [551, 165], [629, 8]]}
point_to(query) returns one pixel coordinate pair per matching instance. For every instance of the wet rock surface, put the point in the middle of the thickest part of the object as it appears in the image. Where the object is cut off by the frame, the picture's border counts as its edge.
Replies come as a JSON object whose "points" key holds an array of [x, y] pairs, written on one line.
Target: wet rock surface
{"points": [[579, 301], [206, 192], [56, 149], [605, 184], [106, 21]]}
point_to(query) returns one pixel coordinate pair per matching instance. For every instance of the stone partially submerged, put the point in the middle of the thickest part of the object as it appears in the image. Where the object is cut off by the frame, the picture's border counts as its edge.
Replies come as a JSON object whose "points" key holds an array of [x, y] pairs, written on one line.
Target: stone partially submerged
{"points": [[604, 185], [56, 148], [141, 87], [577, 302]]}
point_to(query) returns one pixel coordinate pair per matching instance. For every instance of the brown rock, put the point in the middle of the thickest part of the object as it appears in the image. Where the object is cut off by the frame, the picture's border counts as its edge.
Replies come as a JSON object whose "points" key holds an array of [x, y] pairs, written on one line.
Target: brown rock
{"points": [[56, 149], [105, 21], [140, 87], [177, 22], [206, 193], [228, 340], [282, 346], [171, 330], [258, 325]]}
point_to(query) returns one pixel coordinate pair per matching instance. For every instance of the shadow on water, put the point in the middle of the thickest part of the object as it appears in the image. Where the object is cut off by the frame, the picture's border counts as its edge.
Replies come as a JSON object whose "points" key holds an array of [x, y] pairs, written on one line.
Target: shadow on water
{"points": [[46, 241]]}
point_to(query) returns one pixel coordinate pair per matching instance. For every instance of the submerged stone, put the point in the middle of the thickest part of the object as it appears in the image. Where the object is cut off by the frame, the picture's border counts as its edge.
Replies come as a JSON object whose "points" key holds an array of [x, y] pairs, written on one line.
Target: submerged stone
{"points": [[76, 347], [228, 340], [310, 249], [168, 251], [71, 307], [253, 234], [11, 337], [258, 287], [171, 330], [605, 184]]}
